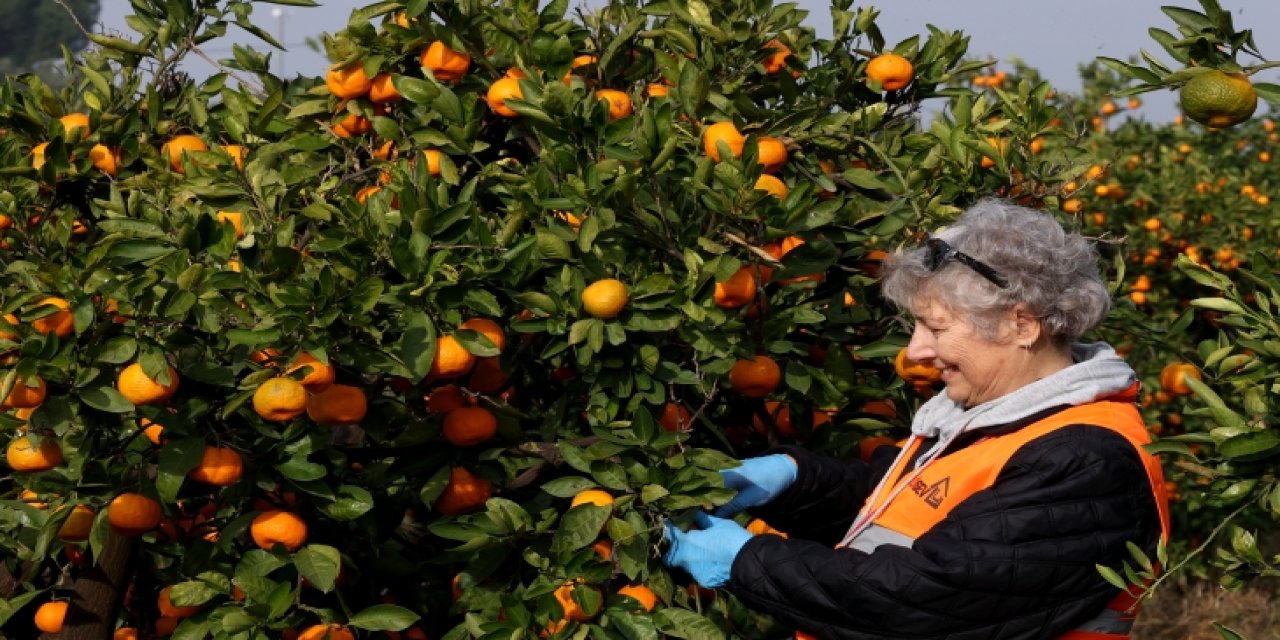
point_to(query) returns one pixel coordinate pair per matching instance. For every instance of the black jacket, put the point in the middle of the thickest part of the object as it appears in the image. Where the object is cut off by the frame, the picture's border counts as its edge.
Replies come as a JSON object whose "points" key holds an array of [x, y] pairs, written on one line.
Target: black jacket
{"points": [[1016, 560]]}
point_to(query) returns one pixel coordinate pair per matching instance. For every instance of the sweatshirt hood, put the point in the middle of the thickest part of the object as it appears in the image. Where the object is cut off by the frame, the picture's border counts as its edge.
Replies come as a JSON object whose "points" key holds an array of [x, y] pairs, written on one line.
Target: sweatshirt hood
{"points": [[1098, 372]]}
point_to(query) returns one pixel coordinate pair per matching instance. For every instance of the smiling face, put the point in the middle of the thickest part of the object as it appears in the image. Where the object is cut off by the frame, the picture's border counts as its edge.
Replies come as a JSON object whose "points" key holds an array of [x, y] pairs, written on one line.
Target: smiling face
{"points": [[975, 368]]}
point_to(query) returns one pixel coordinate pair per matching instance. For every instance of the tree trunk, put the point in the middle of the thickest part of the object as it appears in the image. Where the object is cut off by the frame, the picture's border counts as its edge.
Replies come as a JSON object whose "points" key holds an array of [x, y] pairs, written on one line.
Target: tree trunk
{"points": [[99, 591]]}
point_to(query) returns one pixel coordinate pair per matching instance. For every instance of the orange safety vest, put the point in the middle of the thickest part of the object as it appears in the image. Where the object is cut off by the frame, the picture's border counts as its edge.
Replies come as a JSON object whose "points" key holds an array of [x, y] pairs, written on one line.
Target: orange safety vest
{"points": [[950, 479]]}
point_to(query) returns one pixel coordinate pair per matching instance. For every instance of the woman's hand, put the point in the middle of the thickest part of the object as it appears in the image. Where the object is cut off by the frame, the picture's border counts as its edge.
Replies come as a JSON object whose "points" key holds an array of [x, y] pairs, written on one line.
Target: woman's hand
{"points": [[758, 481], [706, 553]]}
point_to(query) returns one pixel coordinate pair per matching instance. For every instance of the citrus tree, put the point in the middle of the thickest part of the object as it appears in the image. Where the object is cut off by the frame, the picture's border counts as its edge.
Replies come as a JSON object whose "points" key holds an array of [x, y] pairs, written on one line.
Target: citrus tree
{"points": [[1192, 202], [431, 342]]}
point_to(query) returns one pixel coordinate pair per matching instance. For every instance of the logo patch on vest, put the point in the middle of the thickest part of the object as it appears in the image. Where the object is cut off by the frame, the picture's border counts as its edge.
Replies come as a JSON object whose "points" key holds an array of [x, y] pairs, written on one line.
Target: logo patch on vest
{"points": [[933, 494]]}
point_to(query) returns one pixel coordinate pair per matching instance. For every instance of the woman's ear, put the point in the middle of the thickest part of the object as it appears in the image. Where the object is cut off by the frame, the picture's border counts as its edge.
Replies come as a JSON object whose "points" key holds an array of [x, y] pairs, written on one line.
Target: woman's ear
{"points": [[1027, 327]]}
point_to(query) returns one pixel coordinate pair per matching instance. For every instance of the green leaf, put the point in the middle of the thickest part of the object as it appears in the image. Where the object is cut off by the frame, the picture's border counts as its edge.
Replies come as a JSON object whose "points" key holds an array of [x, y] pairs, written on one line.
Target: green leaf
{"points": [[106, 399], [352, 503], [1218, 304], [580, 527], [119, 44], [1193, 20], [1247, 447], [683, 623], [126, 252], [301, 470], [1226, 632], [483, 302], [568, 486], [384, 617], [319, 564], [417, 344], [1268, 91], [16, 603], [191, 593], [1112, 577], [176, 458]]}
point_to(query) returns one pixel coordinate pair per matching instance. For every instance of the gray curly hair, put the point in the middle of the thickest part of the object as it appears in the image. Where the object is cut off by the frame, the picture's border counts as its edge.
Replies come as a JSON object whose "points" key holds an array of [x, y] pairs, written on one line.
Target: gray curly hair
{"points": [[1053, 272]]}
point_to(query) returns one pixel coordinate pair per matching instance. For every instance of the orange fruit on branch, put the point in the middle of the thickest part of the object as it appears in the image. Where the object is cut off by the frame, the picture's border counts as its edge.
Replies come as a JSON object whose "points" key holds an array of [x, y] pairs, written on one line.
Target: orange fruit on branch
{"points": [[59, 322], [469, 426], [347, 82], [320, 375], [178, 146], [280, 399], [776, 56], [444, 63], [451, 359], [164, 603], [868, 445], [1217, 99], [26, 393], [605, 298], [598, 497], [50, 616], [132, 514], [760, 527], [773, 185], [433, 161], [284, 527], [502, 90], [329, 631], [353, 124], [572, 610], [465, 493], [725, 132], [487, 376], [382, 90], [233, 218], [78, 524], [1173, 378], [756, 377], [739, 290], [675, 417], [105, 159], [772, 153], [913, 371], [338, 404], [893, 71], [23, 455], [237, 154], [219, 466], [75, 122], [445, 399], [619, 103], [8, 333], [487, 328], [140, 389], [642, 594]]}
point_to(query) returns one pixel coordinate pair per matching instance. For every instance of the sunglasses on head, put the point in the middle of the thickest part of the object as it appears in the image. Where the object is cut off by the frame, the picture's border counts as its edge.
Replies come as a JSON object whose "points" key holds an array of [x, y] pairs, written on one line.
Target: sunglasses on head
{"points": [[940, 253]]}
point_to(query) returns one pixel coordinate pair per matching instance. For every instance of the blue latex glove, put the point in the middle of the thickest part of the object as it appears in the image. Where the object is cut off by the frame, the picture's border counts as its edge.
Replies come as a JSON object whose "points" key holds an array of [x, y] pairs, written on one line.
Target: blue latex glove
{"points": [[706, 553], [758, 481]]}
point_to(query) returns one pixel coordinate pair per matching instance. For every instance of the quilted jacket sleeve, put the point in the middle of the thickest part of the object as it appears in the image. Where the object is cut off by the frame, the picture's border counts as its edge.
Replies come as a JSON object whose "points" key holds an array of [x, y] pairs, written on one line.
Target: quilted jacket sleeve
{"points": [[825, 497], [1016, 560]]}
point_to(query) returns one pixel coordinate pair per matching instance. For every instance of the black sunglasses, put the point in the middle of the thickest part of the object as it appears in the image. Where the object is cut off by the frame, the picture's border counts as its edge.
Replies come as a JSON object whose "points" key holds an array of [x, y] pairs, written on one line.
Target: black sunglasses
{"points": [[940, 253]]}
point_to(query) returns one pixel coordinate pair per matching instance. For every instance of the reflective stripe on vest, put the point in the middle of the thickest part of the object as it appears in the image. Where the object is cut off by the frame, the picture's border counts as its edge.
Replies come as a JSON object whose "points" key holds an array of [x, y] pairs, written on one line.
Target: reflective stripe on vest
{"points": [[952, 478]]}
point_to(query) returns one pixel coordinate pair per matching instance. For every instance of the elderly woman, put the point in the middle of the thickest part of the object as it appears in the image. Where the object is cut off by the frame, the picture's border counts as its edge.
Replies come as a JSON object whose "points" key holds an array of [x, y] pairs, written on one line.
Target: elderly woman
{"points": [[989, 520]]}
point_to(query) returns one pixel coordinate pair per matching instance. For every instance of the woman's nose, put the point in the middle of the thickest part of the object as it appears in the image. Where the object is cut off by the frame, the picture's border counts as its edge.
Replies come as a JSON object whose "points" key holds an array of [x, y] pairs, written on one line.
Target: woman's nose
{"points": [[921, 348]]}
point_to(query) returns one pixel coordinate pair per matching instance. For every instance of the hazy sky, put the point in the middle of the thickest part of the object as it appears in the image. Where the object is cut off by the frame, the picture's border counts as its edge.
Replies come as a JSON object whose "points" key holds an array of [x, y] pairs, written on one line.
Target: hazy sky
{"points": [[1054, 37]]}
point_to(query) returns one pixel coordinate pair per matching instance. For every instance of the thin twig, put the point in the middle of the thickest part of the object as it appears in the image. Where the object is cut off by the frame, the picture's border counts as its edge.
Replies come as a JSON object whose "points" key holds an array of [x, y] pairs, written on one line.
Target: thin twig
{"points": [[257, 89], [63, 4], [1198, 469]]}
